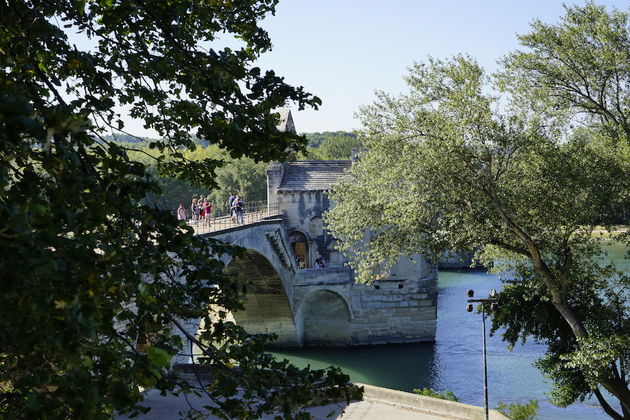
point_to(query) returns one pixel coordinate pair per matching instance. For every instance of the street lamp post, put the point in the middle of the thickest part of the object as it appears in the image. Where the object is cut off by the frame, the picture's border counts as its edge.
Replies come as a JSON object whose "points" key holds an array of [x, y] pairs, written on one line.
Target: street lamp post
{"points": [[493, 305]]}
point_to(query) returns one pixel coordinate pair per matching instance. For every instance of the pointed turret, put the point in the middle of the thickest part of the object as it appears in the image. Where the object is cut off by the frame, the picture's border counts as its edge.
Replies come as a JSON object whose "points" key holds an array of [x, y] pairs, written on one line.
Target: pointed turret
{"points": [[286, 121]]}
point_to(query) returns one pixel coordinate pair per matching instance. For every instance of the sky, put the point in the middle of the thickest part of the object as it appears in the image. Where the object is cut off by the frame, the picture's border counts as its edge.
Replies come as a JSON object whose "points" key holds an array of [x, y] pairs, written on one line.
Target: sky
{"points": [[344, 50]]}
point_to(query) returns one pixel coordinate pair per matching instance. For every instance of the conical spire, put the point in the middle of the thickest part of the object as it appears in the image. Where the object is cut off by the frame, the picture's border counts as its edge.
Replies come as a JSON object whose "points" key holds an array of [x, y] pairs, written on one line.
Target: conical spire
{"points": [[286, 121]]}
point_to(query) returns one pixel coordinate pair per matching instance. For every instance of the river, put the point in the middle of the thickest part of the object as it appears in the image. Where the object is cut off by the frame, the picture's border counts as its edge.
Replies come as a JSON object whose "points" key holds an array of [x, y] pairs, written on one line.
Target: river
{"points": [[454, 361]]}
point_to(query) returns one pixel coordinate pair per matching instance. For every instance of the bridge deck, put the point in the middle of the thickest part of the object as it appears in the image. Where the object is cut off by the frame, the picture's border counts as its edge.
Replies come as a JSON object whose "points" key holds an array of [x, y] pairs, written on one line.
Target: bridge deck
{"points": [[216, 224]]}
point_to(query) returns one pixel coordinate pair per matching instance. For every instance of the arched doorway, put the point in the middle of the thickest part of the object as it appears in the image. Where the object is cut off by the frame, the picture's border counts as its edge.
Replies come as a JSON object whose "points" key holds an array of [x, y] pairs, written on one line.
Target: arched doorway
{"points": [[324, 319], [299, 243], [266, 306]]}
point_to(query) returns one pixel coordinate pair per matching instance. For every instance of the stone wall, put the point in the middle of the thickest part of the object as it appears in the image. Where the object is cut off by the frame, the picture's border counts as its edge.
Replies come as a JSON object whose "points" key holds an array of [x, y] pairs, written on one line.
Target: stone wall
{"points": [[393, 311], [428, 406], [303, 211], [333, 310], [274, 178]]}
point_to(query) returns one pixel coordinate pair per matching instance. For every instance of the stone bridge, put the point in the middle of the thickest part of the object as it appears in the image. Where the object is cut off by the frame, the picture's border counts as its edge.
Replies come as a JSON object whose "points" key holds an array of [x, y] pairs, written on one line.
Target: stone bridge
{"points": [[325, 306], [269, 267], [310, 305]]}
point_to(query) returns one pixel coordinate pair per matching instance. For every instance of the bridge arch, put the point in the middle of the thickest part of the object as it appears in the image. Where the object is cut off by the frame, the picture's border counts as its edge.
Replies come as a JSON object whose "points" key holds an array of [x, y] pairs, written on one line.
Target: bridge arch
{"points": [[267, 307], [324, 318]]}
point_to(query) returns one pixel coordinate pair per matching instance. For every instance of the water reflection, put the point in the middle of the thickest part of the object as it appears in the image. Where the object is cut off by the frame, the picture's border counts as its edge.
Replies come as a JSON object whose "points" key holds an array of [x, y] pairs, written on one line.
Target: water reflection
{"points": [[512, 377], [400, 366]]}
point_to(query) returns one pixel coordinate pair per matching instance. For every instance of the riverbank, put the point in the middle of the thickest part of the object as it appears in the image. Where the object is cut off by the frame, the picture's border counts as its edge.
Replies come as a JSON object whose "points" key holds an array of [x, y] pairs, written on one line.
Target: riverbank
{"points": [[602, 233], [378, 404]]}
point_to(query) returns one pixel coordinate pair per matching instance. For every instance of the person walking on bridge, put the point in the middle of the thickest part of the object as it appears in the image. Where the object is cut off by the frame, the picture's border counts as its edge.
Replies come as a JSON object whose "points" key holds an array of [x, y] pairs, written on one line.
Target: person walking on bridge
{"points": [[229, 205], [207, 206], [237, 208], [181, 212], [194, 210]]}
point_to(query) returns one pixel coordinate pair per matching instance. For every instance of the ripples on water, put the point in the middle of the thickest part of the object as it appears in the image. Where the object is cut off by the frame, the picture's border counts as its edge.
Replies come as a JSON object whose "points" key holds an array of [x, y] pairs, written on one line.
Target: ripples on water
{"points": [[454, 361]]}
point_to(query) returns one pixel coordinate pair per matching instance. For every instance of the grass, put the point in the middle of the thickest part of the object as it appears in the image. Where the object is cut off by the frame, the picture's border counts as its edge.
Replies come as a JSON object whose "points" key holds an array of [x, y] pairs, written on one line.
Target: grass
{"points": [[601, 232]]}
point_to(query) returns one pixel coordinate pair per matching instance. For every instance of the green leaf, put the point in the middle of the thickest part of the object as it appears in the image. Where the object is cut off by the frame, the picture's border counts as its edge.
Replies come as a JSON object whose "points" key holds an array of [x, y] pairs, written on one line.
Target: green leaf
{"points": [[158, 357]]}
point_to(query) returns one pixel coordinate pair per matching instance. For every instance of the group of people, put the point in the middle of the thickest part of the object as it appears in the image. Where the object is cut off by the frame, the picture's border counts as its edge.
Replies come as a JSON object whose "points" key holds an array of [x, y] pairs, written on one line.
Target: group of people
{"points": [[201, 210], [301, 263]]}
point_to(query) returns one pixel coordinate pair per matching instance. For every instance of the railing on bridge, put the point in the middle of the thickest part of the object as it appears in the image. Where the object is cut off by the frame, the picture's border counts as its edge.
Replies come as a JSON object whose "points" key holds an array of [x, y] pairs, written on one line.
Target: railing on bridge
{"points": [[223, 219]]}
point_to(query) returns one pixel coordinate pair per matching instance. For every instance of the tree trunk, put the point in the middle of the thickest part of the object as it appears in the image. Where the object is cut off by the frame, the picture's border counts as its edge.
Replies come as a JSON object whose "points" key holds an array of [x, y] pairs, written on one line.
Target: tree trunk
{"points": [[575, 323], [607, 408], [617, 387]]}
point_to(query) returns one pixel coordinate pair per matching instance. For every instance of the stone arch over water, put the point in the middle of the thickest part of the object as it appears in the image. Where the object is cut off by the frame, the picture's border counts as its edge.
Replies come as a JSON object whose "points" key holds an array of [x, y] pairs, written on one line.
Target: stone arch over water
{"points": [[323, 318], [266, 307]]}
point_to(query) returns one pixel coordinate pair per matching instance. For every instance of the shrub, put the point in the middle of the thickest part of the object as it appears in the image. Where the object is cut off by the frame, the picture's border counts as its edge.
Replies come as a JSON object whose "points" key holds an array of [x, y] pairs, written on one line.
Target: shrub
{"points": [[428, 392], [517, 411]]}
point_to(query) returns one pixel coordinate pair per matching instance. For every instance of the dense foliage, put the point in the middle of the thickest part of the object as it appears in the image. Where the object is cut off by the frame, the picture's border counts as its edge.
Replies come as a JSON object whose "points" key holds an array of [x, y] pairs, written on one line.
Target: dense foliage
{"points": [[316, 139], [88, 272], [515, 411], [574, 72], [244, 176], [336, 145], [455, 165]]}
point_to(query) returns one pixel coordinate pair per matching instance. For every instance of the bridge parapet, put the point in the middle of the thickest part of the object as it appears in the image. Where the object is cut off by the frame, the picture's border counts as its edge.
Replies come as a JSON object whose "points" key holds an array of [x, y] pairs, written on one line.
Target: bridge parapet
{"points": [[223, 219]]}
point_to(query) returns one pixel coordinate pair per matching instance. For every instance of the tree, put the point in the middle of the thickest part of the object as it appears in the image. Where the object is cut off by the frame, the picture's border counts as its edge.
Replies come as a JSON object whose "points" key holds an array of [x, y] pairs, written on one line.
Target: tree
{"points": [[577, 70], [444, 169], [242, 175], [333, 146], [575, 73], [87, 272]]}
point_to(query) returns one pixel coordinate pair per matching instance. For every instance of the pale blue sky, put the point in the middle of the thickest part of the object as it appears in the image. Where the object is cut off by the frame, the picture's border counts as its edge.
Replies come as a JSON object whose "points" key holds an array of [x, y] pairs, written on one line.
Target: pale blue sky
{"points": [[344, 50]]}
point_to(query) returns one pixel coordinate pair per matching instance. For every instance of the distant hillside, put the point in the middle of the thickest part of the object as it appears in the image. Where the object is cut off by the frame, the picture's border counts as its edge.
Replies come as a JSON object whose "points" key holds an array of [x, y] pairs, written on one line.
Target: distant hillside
{"points": [[331, 145], [316, 139], [124, 138]]}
